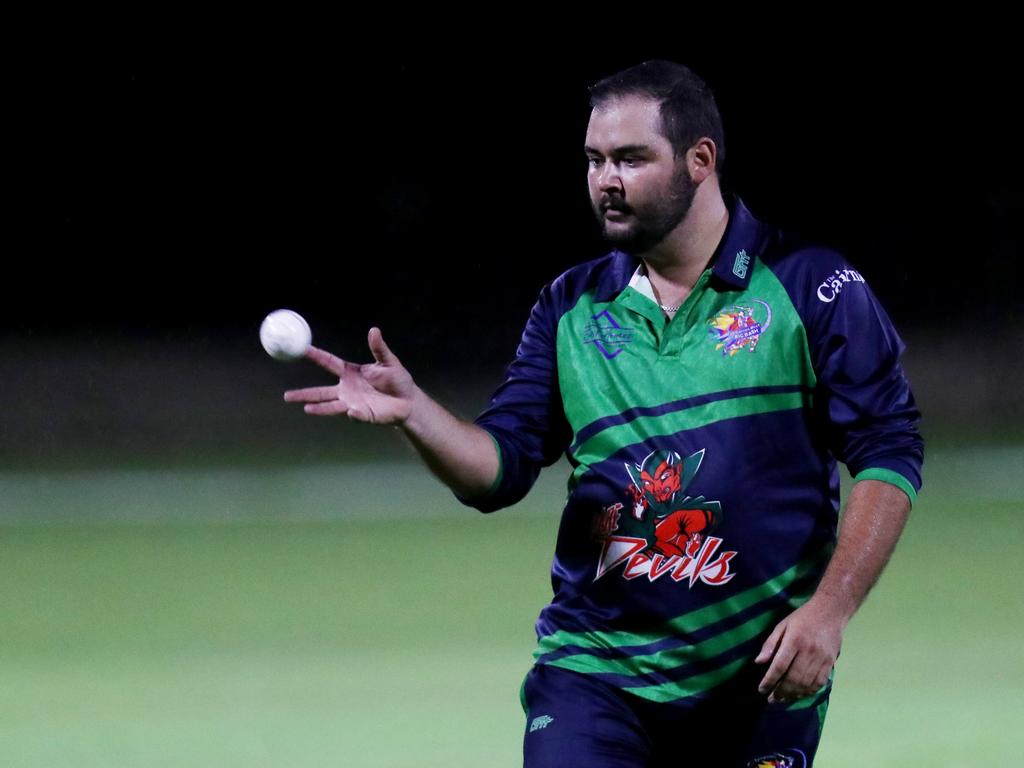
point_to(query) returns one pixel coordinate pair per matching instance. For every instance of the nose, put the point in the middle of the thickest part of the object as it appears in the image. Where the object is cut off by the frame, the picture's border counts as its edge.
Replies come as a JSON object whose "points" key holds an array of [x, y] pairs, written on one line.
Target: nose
{"points": [[608, 178]]}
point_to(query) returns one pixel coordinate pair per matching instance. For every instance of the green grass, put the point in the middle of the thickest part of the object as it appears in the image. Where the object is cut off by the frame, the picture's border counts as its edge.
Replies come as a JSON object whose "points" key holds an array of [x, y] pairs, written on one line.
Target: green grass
{"points": [[358, 616]]}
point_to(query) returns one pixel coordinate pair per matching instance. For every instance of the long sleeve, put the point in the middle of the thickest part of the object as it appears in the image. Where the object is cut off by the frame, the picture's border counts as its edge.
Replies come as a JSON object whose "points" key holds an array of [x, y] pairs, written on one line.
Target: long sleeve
{"points": [[525, 416], [870, 417]]}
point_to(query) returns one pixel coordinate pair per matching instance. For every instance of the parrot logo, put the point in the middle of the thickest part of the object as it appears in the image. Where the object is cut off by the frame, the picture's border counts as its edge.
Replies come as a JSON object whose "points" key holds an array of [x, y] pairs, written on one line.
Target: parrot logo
{"points": [[779, 760], [737, 328]]}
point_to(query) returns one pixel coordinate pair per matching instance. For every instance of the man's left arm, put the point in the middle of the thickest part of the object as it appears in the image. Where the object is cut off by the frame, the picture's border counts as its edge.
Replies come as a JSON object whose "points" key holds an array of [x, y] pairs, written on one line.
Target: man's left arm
{"points": [[804, 646], [869, 421]]}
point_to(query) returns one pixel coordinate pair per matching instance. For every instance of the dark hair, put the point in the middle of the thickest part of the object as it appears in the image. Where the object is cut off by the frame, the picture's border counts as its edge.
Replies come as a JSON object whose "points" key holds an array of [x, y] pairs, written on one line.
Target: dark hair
{"points": [[688, 108]]}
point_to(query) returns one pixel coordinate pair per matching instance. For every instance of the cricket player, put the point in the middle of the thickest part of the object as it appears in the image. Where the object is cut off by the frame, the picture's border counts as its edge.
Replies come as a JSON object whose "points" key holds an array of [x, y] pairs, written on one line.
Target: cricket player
{"points": [[703, 378]]}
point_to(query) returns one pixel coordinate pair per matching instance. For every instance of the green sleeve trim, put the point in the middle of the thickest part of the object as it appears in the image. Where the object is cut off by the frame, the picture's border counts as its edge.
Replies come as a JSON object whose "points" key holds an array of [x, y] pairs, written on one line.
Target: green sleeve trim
{"points": [[501, 467], [888, 476]]}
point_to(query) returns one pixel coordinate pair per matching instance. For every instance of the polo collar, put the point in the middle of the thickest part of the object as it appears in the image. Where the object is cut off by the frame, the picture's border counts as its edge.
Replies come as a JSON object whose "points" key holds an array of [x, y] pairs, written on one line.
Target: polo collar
{"points": [[745, 239], [733, 261]]}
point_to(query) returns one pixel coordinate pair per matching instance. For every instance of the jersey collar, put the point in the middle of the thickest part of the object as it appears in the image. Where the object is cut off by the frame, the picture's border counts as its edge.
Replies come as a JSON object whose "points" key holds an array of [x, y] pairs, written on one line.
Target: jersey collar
{"points": [[732, 263]]}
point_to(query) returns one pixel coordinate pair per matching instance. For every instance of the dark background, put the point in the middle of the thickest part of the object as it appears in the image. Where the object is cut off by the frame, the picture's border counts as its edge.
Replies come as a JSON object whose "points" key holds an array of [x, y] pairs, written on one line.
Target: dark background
{"points": [[168, 197]]}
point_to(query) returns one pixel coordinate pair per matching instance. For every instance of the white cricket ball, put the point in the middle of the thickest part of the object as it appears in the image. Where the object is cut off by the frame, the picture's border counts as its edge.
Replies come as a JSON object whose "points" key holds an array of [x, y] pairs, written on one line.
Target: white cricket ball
{"points": [[285, 334]]}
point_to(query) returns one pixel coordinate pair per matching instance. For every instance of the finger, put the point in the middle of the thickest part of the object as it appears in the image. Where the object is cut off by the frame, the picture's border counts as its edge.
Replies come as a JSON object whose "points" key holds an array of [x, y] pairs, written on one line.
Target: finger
{"points": [[780, 666], [326, 360], [807, 680], [311, 395], [771, 644], [333, 408], [821, 676], [795, 683], [381, 353]]}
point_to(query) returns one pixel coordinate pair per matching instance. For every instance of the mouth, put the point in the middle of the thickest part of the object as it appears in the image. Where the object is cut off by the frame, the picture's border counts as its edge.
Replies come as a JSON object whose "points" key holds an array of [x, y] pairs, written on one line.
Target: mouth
{"points": [[614, 213]]}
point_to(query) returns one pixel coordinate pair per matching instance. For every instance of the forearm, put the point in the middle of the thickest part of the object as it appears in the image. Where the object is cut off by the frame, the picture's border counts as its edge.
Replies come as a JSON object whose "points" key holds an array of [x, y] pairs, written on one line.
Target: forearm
{"points": [[461, 454], [871, 525], [803, 646]]}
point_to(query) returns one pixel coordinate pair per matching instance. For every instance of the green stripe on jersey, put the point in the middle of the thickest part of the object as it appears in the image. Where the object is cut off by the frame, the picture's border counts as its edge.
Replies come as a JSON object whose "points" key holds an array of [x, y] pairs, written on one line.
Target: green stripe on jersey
{"points": [[674, 657], [691, 686], [623, 354], [685, 624], [639, 430], [626, 664]]}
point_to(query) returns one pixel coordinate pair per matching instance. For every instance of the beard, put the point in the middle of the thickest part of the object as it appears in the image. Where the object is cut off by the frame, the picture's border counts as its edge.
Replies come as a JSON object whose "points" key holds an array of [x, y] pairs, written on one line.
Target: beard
{"points": [[653, 223]]}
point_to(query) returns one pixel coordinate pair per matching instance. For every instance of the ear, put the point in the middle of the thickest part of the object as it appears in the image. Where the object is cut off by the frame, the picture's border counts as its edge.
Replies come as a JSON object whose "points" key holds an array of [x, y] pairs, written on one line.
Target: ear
{"points": [[701, 159]]}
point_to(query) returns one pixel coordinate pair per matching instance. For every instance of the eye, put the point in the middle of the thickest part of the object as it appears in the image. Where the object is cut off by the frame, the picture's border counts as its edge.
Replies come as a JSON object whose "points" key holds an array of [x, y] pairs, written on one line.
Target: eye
{"points": [[594, 162], [666, 475], [632, 162]]}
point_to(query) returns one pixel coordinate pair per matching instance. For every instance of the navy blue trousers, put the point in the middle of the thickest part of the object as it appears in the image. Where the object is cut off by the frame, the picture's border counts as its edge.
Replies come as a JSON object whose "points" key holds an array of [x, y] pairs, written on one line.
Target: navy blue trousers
{"points": [[576, 721]]}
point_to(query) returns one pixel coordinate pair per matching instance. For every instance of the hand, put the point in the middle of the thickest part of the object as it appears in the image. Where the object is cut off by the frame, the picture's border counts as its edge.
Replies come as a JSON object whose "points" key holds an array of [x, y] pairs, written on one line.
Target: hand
{"points": [[802, 649], [377, 393]]}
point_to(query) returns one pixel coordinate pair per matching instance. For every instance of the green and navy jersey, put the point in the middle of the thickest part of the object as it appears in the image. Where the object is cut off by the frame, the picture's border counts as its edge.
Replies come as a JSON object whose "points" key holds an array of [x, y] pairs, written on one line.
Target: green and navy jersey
{"points": [[704, 495]]}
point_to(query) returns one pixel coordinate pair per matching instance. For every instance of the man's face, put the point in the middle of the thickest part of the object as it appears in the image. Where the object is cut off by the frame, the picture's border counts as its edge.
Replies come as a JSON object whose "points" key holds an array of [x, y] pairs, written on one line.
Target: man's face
{"points": [[664, 482], [638, 190]]}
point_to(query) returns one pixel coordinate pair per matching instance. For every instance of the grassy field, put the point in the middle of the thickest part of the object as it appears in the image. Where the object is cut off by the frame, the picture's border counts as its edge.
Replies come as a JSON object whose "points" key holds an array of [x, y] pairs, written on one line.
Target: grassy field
{"points": [[358, 616]]}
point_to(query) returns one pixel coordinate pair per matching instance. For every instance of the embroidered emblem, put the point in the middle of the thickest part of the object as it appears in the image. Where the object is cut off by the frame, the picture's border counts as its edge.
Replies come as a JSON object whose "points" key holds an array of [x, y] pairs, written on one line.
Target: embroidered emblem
{"points": [[740, 326], [779, 760], [607, 335], [741, 264], [540, 723]]}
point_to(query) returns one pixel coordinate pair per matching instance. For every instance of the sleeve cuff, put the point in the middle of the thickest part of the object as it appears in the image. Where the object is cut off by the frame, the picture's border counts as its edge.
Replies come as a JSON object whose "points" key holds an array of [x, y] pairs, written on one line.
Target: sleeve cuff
{"points": [[501, 467], [888, 476]]}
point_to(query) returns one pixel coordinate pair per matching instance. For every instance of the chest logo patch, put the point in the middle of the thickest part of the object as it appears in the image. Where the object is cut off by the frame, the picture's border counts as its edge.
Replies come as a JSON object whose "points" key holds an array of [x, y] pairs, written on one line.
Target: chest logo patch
{"points": [[606, 334], [660, 530], [740, 326]]}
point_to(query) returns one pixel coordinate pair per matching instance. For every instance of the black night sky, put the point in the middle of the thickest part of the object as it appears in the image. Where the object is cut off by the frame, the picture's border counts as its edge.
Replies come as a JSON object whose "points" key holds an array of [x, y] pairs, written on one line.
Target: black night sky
{"points": [[433, 191], [168, 193]]}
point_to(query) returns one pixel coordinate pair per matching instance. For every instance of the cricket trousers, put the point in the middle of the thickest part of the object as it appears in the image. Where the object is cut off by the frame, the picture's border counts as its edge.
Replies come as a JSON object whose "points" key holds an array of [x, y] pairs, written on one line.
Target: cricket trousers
{"points": [[576, 721]]}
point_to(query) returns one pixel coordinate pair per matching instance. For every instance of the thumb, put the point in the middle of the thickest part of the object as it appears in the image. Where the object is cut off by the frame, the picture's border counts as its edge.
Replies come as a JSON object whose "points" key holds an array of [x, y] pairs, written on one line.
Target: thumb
{"points": [[381, 353]]}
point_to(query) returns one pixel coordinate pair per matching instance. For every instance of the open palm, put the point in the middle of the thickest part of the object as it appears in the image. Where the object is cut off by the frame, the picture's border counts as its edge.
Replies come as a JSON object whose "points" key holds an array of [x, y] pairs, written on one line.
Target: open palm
{"points": [[376, 393]]}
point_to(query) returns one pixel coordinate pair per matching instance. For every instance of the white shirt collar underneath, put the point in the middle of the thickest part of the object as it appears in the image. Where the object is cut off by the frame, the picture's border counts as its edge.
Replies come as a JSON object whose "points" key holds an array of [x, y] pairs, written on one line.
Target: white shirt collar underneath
{"points": [[641, 283]]}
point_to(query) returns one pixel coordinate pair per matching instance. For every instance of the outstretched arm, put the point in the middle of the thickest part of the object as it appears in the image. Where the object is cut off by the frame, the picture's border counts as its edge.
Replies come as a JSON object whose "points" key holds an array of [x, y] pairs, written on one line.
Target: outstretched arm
{"points": [[804, 646], [461, 454]]}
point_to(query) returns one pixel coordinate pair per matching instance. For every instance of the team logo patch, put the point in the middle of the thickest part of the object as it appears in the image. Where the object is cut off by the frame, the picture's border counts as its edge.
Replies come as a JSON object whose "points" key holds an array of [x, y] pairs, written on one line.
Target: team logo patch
{"points": [[779, 760], [607, 335], [665, 532], [741, 264], [740, 327]]}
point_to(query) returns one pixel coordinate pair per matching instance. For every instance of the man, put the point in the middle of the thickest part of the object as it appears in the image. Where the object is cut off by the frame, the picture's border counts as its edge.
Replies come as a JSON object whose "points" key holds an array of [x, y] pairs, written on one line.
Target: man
{"points": [[702, 378]]}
